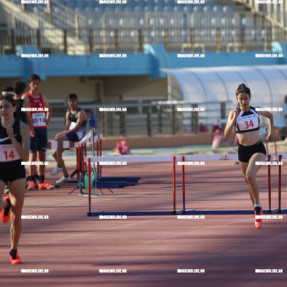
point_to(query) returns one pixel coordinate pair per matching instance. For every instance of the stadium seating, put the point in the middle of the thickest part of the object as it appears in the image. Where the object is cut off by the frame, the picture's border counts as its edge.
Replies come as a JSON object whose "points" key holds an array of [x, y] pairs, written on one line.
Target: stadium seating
{"points": [[157, 20], [140, 6]]}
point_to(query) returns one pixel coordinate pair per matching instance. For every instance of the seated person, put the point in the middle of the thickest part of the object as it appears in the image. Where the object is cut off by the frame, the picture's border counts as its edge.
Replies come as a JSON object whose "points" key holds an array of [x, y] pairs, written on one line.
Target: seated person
{"points": [[123, 148], [76, 121]]}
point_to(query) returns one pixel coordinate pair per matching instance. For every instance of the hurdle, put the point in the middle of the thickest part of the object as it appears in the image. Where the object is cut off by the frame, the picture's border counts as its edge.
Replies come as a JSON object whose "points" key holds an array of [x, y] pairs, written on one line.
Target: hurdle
{"points": [[130, 159], [64, 145], [280, 156], [269, 184], [177, 159], [97, 181], [88, 140]]}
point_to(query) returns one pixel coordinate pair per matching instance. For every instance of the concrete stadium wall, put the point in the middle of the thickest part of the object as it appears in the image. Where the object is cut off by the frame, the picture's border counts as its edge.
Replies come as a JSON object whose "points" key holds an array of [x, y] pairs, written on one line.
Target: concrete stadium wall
{"points": [[114, 89]]}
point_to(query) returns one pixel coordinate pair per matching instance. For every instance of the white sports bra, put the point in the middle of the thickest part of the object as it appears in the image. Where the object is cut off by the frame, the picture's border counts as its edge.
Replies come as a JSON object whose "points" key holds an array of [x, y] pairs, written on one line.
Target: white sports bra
{"points": [[247, 121]]}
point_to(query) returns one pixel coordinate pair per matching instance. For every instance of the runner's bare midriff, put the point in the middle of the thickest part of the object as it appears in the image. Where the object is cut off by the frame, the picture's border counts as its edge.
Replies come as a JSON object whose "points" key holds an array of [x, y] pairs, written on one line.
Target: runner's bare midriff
{"points": [[248, 138]]}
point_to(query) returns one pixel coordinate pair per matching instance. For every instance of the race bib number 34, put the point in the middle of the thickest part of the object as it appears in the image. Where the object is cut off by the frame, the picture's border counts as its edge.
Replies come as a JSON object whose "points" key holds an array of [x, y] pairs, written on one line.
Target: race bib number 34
{"points": [[8, 153], [248, 123]]}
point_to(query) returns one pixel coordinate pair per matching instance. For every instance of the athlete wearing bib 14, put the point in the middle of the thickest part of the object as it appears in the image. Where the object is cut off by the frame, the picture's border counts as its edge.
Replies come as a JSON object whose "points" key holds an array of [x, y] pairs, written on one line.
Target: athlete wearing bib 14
{"points": [[14, 148], [16, 93], [245, 121]]}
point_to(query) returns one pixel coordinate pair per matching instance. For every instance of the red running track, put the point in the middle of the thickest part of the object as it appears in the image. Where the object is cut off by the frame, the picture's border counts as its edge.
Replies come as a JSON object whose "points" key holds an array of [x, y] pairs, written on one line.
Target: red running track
{"points": [[74, 247]]}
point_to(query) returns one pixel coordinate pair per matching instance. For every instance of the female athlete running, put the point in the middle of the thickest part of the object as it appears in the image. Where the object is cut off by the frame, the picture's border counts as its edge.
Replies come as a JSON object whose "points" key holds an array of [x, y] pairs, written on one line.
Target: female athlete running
{"points": [[245, 121], [14, 148]]}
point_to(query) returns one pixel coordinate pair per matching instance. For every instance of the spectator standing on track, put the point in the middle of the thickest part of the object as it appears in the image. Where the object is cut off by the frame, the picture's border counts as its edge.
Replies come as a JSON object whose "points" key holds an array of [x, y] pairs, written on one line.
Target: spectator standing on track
{"points": [[38, 144]]}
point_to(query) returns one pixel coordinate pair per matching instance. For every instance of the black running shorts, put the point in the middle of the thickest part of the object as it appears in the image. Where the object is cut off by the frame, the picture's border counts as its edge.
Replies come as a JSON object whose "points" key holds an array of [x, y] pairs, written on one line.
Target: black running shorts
{"points": [[246, 152], [12, 170]]}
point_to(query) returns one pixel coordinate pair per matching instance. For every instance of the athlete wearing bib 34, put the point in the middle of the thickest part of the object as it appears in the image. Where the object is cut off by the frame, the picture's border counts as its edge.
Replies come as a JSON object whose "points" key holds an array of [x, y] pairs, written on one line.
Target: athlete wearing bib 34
{"points": [[76, 121], [14, 148], [245, 121]]}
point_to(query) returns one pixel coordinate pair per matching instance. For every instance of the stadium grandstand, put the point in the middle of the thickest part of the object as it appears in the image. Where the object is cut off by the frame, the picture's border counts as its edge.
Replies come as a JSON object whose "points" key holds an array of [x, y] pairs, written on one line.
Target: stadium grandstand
{"points": [[221, 25], [151, 34]]}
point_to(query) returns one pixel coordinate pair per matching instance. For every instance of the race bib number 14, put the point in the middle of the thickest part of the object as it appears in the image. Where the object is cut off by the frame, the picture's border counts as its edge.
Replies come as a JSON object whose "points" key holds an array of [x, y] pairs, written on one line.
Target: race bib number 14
{"points": [[8, 153]]}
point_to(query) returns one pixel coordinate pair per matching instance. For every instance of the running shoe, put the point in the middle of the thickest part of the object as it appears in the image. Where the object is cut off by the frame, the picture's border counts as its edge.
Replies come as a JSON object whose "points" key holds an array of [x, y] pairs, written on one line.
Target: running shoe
{"points": [[45, 185], [258, 211], [64, 179], [56, 170], [32, 185], [6, 190], [16, 259], [5, 212]]}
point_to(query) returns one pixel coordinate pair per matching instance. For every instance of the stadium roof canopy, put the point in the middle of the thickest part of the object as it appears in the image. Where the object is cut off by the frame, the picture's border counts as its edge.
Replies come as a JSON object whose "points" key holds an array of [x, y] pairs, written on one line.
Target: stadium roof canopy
{"points": [[268, 84]]}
